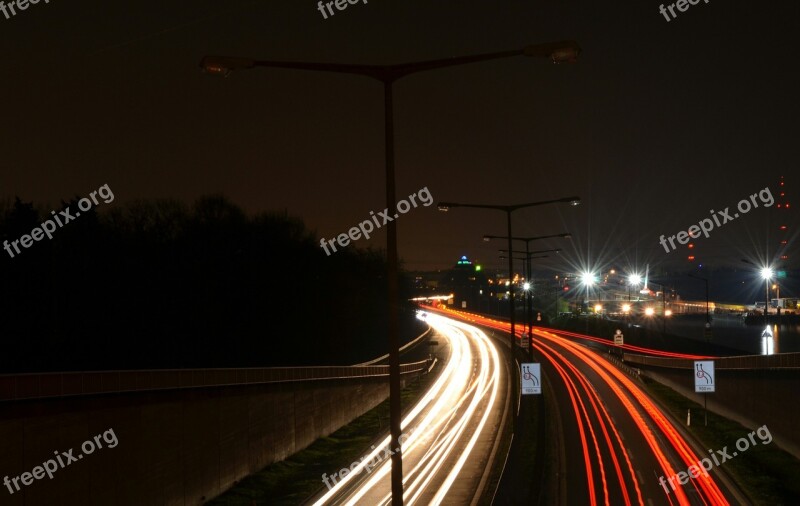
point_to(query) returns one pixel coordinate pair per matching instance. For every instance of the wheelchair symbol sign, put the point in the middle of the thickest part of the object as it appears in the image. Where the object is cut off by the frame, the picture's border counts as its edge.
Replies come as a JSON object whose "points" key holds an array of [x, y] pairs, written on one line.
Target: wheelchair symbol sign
{"points": [[531, 376]]}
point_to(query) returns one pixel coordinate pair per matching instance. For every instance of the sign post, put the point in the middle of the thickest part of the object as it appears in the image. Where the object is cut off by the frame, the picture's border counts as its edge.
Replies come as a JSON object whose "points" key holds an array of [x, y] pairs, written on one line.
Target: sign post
{"points": [[619, 338], [531, 377], [704, 381]]}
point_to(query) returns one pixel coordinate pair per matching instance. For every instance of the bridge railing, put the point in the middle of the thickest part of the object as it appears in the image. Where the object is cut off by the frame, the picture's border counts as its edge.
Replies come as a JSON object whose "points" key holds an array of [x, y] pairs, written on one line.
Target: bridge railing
{"points": [[777, 361], [14, 387]]}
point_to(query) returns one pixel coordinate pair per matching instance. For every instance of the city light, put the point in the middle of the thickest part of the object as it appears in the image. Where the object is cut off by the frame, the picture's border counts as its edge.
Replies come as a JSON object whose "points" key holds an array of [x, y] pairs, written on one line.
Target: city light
{"points": [[635, 279], [766, 273], [649, 311], [526, 286], [588, 278], [626, 308], [668, 312], [598, 308]]}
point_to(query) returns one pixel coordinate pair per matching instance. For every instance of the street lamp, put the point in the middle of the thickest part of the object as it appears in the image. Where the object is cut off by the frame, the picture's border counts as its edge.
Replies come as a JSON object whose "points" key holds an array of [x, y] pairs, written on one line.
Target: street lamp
{"points": [[564, 235], [766, 273], [708, 317], [557, 52], [528, 274], [508, 209], [588, 279], [633, 280]]}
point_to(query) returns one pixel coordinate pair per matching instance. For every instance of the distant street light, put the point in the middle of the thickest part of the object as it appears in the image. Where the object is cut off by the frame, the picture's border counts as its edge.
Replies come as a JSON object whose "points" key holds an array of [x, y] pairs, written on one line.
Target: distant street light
{"points": [[633, 280], [766, 274], [528, 253], [557, 52], [508, 209]]}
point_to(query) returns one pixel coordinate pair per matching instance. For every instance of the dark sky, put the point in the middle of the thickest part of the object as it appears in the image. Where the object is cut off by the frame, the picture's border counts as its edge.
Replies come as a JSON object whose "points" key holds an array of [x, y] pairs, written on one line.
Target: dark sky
{"points": [[657, 123]]}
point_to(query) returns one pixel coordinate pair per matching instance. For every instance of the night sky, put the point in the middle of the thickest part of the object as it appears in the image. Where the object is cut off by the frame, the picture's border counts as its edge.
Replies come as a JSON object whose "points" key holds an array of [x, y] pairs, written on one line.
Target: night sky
{"points": [[658, 122]]}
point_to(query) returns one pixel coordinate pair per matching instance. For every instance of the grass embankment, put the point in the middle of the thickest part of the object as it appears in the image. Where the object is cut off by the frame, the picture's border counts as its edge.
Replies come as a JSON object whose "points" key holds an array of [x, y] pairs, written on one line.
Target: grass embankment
{"points": [[293, 480], [767, 474]]}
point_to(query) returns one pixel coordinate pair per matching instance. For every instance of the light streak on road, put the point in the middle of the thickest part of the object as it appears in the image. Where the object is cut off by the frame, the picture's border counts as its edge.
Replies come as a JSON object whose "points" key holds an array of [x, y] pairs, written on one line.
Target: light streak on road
{"points": [[502, 325], [442, 430], [589, 411]]}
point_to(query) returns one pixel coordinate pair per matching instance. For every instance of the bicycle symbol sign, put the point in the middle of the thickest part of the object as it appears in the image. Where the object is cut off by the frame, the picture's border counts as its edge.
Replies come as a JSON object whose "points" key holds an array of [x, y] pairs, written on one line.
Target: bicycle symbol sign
{"points": [[704, 376], [530, 375]]}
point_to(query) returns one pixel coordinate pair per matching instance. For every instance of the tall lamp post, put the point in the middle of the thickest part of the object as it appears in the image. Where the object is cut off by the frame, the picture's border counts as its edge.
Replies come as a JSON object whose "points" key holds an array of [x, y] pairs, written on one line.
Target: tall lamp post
{"points": [[530, 255], [766, 274], [565, 235], [588, 279], [558, 52], [445, 206], [528, 287], [708, 314], [633, 280]]}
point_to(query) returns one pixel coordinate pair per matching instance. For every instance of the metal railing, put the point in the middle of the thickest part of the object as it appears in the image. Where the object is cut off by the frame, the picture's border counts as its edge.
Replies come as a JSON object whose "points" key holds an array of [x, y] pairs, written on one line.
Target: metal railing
{"points": [[777, 361], [14, 387]]}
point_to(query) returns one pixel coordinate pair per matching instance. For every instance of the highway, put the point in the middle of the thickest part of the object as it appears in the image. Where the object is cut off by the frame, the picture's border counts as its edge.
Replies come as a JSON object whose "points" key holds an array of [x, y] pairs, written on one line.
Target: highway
{"points": [[617, 443], [449, 437]]}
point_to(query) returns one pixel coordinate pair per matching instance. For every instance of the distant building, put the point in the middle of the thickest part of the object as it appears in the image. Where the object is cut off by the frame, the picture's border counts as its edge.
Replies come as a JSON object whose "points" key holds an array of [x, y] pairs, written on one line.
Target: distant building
{"points": [[468, 284]]}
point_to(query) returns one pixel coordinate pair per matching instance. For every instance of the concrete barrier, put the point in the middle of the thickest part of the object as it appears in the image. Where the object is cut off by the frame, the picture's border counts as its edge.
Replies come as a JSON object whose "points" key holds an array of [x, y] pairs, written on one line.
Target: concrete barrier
{"points": [[752, 390], [184, 436]]}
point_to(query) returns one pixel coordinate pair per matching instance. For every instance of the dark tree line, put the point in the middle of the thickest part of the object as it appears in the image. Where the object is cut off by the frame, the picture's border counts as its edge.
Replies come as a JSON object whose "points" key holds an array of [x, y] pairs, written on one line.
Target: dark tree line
{"points": [[159, 284]]}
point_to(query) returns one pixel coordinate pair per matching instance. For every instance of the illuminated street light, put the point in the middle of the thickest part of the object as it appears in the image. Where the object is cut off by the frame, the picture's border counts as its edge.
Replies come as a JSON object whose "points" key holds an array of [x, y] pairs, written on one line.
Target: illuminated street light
{"points": [[633, 280], [588, 278], [668, 312], [598, 308], [626, 308], [766, 274], [649, 311]]}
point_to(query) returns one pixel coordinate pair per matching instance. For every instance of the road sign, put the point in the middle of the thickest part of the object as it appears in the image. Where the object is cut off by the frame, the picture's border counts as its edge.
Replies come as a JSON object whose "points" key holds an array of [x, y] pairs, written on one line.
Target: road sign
{"points": [[531, 376], [618, 338], [704, 380]]}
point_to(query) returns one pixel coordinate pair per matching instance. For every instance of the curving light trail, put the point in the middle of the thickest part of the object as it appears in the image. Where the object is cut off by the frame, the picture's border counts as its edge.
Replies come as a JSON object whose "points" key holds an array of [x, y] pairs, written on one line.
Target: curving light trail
{"points": [[502, 325], [595, 428], [442, 430]]}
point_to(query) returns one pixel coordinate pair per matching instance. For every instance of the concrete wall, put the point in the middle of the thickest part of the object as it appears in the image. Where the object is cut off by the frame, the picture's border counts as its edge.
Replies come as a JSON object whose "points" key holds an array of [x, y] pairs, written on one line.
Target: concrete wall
{"points": [[178, 447], [752, 397]]}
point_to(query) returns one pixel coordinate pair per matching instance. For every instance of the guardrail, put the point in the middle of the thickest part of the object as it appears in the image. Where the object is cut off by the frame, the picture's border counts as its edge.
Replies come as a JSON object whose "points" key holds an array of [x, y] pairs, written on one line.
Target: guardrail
{"points": [[778, 361], [14, 387]]}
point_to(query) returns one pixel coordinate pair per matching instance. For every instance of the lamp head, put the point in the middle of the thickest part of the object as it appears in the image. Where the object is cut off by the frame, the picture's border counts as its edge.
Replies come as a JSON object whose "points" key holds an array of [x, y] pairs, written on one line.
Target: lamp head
{"points": [[224, 65], [565, 51]]}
